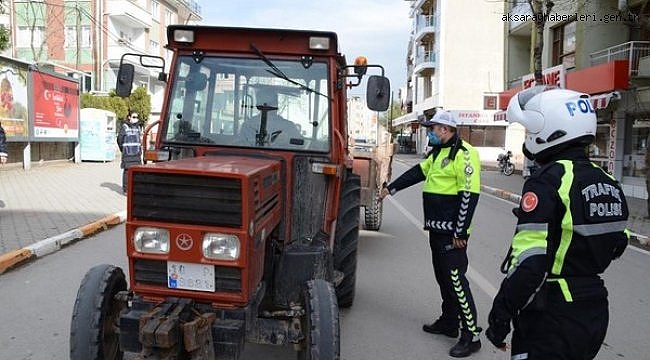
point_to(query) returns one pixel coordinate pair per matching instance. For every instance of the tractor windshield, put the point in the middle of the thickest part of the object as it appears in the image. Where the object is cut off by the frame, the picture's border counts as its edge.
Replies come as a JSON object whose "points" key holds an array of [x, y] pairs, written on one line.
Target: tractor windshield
{"points": [[247, 103]]}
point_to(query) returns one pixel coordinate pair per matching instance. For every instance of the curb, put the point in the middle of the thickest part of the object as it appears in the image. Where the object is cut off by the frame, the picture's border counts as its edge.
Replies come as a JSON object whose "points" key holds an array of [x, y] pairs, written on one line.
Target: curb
{"points": [[504, 194], [642, 240], [55, 243]]}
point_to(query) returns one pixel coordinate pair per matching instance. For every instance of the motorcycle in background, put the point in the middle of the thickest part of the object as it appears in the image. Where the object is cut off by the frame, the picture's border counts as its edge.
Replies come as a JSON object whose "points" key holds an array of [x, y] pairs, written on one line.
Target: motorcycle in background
{"points": [[505, 165], [530, 167]]}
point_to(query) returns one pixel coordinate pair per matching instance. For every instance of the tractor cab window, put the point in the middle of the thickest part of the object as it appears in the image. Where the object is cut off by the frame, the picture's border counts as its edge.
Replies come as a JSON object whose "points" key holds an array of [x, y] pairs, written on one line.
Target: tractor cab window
{"points": [[249, 103]]}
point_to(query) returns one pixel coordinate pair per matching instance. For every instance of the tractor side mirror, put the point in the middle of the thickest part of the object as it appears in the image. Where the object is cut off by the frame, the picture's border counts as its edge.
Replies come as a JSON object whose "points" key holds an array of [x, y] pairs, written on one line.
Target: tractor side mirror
{"points": [[125, 80], [378, 93]]}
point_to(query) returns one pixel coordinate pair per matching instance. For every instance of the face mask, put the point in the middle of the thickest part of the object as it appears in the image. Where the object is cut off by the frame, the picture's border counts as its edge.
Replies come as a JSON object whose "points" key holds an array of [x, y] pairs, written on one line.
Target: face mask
{"points": [[434, 139], [133, 120]]}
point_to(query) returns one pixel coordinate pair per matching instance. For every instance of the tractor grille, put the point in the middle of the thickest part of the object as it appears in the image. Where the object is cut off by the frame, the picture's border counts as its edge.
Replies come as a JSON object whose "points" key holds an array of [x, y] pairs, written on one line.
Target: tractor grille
{"points": [[154, 272], [187, 199]]}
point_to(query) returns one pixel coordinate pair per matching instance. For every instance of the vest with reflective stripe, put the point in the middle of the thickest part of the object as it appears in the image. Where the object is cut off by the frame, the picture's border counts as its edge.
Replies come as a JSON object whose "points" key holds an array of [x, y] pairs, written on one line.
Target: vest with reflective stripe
{"points": [[131, 145]]}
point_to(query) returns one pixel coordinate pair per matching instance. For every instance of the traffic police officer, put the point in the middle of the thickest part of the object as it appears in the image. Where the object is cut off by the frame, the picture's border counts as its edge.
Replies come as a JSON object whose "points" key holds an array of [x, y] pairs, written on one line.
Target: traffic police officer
{"points": [[571, 225], [451, 175]]}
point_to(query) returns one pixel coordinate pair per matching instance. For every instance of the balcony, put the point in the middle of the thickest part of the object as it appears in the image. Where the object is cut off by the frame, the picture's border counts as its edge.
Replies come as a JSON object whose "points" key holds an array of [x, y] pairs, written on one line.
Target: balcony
{"points": [[193, 6], [425, 63], [129, 14], [420, 4], [425, 28], [635, 52], [521, 26]]}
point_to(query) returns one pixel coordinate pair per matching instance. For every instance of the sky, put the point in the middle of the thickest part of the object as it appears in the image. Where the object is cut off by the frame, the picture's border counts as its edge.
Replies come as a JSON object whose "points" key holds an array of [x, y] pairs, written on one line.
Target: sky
{"points": [[376, 29]]}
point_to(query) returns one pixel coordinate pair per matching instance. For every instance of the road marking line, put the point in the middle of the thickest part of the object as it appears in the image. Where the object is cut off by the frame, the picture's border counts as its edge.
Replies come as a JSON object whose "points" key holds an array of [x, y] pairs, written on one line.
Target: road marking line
{"points": [[472, 274]]}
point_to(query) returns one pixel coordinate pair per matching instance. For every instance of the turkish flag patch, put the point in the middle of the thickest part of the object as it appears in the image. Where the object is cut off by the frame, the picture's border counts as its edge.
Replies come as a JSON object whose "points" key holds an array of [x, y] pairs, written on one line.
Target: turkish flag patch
{"points": [[529, 201]]}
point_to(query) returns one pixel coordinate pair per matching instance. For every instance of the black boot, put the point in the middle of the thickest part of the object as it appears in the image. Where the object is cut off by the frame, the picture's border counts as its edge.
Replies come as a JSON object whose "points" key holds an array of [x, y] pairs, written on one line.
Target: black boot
{"points": [[442, 327], [466, 346]]}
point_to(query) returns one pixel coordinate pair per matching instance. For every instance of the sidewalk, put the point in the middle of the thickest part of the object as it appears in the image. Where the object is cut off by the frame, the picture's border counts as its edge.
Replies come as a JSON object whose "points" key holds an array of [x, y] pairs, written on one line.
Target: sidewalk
{"points": [[55, 203], [59, 202]]}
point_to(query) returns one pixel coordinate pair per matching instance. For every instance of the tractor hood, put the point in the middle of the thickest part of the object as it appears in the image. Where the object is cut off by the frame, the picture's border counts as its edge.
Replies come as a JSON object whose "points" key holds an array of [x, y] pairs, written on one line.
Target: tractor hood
{"points": [[228, 191], [238, 166]]}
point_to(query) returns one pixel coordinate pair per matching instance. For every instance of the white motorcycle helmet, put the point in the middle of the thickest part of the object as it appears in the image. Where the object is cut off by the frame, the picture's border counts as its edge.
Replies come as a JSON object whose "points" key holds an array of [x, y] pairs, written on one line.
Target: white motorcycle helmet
{"points": [[552, 117]]}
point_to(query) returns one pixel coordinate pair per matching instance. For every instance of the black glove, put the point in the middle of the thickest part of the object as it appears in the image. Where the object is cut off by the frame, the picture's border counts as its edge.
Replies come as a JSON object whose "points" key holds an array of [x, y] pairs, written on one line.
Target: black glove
{"points": [[516, 211], [497, 330]]}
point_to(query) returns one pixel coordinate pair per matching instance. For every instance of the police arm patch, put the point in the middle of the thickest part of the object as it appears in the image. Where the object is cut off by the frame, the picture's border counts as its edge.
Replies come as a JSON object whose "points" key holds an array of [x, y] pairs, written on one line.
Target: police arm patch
{"points": [[529, 201]]}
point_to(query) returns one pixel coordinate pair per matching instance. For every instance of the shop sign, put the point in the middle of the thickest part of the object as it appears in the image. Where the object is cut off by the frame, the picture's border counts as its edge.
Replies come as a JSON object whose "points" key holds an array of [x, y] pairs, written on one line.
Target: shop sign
{"points": [[551, 76], [474, 117], [611, 151]]}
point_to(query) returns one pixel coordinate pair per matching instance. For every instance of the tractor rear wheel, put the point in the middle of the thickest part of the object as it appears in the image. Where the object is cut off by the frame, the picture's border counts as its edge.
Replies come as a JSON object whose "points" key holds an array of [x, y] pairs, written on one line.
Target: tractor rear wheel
{"points": [[374, 213], [94, 330], [320, 323], [347, 238]]}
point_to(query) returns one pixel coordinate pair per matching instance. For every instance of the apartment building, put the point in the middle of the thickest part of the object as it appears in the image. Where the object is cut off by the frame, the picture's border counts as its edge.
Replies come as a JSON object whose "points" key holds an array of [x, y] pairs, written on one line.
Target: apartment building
{"points": [[86, 39], [600, 47], [455, 62]]}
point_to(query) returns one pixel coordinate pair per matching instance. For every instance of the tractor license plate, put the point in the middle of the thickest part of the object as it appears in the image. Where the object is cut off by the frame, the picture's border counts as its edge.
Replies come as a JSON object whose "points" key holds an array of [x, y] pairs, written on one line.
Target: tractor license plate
{"points": [[187, 276]]}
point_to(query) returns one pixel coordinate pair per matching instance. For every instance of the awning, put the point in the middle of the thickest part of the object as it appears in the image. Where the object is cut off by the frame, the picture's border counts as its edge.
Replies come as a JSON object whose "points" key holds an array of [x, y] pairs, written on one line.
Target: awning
{"points": [[598, 101], [601, 101], [405, 119]]}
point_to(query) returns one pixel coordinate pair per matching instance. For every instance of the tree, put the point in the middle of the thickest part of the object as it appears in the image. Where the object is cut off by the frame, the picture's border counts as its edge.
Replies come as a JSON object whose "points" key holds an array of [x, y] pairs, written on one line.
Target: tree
{"points": [[539, 18], [387, 117], [139, 101], [5, 38], [5, 33]]}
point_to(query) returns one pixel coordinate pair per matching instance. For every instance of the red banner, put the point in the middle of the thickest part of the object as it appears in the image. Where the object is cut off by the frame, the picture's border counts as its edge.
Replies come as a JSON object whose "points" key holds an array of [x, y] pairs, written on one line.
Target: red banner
{"points": [[56, 106]]}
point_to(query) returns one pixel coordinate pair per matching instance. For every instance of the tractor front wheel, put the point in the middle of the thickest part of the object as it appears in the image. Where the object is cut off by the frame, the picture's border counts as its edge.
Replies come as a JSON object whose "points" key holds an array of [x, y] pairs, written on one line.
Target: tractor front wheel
{"points": [[320, 323], [94, 330]]}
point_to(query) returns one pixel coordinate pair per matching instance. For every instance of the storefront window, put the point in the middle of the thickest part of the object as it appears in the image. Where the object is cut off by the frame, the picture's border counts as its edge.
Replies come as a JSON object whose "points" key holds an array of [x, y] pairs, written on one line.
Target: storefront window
{"points": [[636, 146], [484, 136]]}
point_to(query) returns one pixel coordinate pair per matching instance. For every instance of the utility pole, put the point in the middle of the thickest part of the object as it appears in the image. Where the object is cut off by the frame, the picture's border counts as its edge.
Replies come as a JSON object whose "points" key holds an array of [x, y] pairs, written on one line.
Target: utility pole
{"points": [[78, 33]]}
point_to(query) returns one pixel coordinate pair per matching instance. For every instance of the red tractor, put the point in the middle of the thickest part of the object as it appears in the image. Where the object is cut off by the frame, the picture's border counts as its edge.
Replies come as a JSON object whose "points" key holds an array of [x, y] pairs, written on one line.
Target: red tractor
{"points": [[243, 225]]}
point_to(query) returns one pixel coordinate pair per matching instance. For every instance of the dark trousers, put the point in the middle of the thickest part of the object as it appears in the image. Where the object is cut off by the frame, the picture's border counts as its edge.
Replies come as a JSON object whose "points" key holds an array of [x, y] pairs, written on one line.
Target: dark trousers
{"points": [[126, 167], [571, 331], [124, 180], [449, 268]]}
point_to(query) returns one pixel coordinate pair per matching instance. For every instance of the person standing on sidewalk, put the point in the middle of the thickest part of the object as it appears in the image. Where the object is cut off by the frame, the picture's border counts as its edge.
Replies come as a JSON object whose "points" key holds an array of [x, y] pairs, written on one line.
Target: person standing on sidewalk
{"points": [[571, 224], [451, 175], [129, 140], [3, 146]]}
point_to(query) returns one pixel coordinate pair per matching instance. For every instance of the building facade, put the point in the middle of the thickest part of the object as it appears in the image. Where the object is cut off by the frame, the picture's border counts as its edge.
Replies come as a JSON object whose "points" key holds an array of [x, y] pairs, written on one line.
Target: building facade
{"points": [[453, 66], [601, 48], [86, 39]]}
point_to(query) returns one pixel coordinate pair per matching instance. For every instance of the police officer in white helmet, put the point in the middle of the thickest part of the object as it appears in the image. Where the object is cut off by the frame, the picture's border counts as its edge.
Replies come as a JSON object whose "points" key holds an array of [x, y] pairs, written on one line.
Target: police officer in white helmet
{"points": [[571, 224]]}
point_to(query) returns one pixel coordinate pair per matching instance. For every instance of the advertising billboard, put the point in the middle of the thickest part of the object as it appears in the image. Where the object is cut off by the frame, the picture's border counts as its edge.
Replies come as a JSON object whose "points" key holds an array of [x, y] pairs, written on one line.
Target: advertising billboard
{"points": [[14, 113], [55, 107]]}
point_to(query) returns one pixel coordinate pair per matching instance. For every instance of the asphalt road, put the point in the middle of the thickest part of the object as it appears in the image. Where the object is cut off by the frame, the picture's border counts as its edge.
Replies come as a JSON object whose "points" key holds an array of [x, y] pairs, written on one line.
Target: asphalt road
{"points": [[396, 291]]}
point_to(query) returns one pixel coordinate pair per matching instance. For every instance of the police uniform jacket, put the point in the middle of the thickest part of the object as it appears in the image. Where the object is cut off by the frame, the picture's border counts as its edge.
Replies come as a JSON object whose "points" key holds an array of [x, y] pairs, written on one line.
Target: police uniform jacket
{"points": [[452, 184], [128, 139], [571, 224]]}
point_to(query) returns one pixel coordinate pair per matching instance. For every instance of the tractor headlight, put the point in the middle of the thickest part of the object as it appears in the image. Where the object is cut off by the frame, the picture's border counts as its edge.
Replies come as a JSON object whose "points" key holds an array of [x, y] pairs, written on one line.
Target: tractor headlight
{"points": [[184, 36], [151, 240], [220, 246], [319, 43]]}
